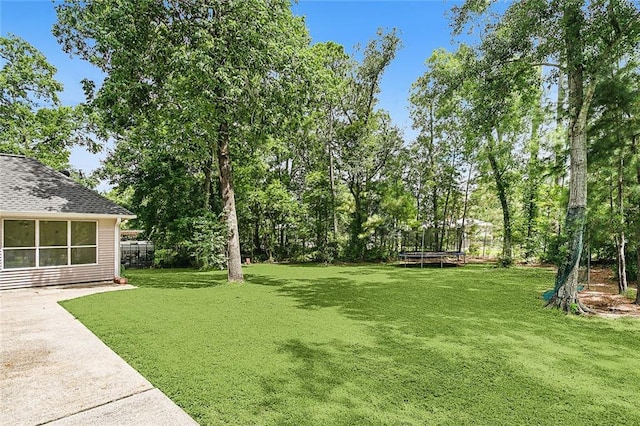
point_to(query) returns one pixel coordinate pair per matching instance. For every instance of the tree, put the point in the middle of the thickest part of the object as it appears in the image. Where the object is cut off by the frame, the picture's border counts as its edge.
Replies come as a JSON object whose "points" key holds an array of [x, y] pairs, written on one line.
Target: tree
{"points": [[469, 106], [333, 82], [441, 148], [502, 105], [195, 79], [581, 39], [32, 121], [366, 138], [612, 132]]}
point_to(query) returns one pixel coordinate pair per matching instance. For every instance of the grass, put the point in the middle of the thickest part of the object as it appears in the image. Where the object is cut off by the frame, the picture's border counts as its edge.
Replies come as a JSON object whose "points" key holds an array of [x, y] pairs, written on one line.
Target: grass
{"points": [[370, 345]]}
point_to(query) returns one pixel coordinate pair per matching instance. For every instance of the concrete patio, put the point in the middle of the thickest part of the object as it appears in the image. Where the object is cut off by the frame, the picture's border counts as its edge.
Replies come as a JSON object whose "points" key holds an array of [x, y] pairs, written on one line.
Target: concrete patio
{"points": [[53, 370]]}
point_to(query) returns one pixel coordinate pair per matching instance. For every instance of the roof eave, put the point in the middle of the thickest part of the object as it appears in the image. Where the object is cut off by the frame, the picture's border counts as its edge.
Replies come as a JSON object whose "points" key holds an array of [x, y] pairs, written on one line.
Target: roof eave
{"points": [[69, 215]]}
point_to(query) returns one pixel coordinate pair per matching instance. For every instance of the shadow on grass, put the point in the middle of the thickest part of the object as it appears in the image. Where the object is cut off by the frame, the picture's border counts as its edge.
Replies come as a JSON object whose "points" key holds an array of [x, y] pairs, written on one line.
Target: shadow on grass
{"points": [[259, 279], [405, 380], [460, 304], [445, 340], [451, 346], [316, 368], [373, 292]]}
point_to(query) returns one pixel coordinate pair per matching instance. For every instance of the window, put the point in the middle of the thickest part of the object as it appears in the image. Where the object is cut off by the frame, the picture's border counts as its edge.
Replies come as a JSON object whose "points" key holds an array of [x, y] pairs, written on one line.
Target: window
{"points": [[44, 243], [53, 243], [83, 243], [20, 243]]}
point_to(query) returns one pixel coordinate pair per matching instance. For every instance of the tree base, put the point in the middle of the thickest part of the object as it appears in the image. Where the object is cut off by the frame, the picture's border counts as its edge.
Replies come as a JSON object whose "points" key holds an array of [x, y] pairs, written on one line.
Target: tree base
{"points": [[570, 306]]}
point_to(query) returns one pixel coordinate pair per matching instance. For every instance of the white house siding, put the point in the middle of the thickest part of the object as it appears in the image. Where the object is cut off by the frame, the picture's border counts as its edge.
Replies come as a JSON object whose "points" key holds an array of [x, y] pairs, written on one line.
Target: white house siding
{"points": [[37, 277]]}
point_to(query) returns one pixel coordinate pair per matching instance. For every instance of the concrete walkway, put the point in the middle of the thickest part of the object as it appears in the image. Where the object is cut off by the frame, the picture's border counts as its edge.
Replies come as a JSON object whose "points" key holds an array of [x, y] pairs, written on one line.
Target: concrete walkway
{"points": [[55, 371]]}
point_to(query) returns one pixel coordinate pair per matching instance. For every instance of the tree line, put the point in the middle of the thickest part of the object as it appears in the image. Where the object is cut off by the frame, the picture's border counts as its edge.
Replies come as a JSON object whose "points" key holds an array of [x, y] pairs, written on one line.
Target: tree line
{"points": [[234, 136]]}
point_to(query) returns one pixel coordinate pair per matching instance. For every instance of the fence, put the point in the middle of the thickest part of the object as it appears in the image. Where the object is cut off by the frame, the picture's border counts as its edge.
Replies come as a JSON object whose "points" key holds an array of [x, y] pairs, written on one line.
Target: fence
{"points": [[136, 254]]}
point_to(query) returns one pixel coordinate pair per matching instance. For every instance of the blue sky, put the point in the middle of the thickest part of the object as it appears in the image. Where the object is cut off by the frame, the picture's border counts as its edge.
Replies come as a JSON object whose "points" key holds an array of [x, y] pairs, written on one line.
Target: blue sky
{"points": [[423, 27]]}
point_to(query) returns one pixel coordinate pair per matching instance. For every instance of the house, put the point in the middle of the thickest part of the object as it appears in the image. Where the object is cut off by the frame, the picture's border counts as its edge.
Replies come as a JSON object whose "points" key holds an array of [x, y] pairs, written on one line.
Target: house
{"points": [[53, 230]]}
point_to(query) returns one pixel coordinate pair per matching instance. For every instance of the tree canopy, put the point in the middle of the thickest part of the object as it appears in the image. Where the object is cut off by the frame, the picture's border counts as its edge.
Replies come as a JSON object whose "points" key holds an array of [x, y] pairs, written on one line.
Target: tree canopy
{"points": [[32, 121]]}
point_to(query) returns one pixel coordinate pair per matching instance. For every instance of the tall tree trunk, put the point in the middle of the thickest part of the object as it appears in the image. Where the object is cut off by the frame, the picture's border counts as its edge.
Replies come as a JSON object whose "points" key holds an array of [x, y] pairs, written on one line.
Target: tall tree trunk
{"points": [[638, 269], [333, 194], [256, 237], [357, 244], [444, 238], [501, 187], [622, 261], [636, 153], [614, 225], [533, 182], [332, 179], [559, 145], [208, 166], [531, 204], [566, 286], [622, 264], [436, 238], [281, 240], [418, 198], [435, 244], [234, 266], [465, 208], [445, 212]]}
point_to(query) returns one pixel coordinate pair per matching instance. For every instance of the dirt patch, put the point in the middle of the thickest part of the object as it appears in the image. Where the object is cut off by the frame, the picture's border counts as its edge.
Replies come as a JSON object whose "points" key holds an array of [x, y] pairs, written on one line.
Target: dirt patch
{"points": [[601, 296]]}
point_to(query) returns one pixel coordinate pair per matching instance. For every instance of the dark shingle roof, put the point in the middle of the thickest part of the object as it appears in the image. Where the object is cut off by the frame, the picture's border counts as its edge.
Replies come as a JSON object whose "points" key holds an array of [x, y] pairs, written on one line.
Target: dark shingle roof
{"points": [[26, 185]]}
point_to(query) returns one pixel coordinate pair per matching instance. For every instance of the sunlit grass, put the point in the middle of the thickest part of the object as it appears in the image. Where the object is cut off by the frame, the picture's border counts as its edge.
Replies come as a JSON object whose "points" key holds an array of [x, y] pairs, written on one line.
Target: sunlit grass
{"points": [[370, 345]]}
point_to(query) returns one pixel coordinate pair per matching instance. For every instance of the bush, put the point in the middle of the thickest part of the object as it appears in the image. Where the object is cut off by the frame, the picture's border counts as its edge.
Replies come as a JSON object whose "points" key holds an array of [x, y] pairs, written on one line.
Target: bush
{"points": [[198, 241], [171, 258], [208, 243], [504, 262], [555, 252], [630, 293]]}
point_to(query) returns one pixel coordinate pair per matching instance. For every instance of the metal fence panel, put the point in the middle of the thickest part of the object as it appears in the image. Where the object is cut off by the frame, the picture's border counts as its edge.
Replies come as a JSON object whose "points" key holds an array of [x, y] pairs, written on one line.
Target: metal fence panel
{"points": [[136, 254]]}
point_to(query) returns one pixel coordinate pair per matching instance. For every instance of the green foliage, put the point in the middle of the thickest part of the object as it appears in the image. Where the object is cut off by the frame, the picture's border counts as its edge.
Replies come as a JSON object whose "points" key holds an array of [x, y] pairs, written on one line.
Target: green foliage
{"points": [[320, 172], [366, 138], [632, 264], [208, 242], [556, 250], [444, 151], [120, 197], [329, 345], [575, 309], [584, 41], [318, 202], [504, 262], [474, 249], [630, 293], [614, 180], [275, 208], [32, 122], [26, 79], [198, 241], [192, 83], [494, 109]]}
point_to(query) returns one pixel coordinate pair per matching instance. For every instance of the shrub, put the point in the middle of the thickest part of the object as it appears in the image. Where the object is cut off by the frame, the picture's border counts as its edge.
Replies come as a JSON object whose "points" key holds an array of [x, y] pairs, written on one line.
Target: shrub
{"points": [[630, 293], [504, 262], [199, 241]]}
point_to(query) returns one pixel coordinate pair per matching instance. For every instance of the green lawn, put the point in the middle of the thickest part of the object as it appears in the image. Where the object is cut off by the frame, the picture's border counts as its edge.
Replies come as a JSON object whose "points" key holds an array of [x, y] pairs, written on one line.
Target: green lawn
{"points": [[370, 345]]}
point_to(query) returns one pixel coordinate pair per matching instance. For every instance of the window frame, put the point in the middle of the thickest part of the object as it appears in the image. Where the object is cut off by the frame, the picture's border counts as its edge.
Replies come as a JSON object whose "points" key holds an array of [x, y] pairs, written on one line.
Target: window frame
{"points": [[37, 247], [34, 247]]}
